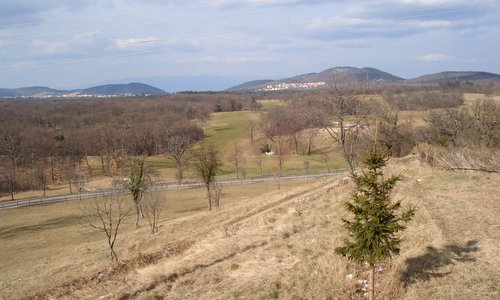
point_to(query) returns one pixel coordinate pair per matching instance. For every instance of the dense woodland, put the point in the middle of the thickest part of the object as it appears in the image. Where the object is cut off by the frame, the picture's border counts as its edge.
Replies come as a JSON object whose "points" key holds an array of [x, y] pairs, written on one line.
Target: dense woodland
{"points": [[49, 141]]}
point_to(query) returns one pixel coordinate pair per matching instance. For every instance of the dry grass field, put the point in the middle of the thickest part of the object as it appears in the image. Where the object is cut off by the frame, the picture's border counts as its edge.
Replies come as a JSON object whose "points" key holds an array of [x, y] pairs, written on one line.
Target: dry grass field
{"points": [[264, 243]]}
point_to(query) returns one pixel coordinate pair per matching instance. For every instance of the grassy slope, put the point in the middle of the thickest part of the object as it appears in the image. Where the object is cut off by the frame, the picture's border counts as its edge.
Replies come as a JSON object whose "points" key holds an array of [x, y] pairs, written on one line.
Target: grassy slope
{"points": [[47, 244], [449, 250]]}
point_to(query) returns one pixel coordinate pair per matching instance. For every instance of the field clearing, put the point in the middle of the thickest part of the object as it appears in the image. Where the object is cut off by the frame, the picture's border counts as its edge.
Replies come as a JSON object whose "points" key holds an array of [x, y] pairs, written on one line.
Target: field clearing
{"points": [[471, 98], [449, 249], [267, 104]]}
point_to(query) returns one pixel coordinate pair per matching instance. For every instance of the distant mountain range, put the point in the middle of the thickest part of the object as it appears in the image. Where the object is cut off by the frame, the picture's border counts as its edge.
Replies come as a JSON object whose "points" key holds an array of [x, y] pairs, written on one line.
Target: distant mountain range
{"points": [[108, 90], [350, 75], [341, 75], [178, 83]]}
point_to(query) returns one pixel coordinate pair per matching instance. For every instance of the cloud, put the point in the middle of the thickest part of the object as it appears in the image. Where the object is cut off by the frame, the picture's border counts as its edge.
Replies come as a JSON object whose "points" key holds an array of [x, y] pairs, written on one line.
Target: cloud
{"points": [[85, 37], [434, 57], [227, 59], [21, 11], [434, 24], [132, 42], [426, 2], [240, 3], [183, 44], [49, 47]]}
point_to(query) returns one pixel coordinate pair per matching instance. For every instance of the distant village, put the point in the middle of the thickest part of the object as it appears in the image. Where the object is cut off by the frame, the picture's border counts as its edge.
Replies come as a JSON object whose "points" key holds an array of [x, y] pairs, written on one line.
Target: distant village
{"points": [[286, 86]]}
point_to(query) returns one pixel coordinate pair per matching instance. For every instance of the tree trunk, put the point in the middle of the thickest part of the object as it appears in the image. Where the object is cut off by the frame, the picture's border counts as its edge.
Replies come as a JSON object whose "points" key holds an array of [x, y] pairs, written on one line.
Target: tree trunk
{"points": [[371, 289], [52, 171], [138, 208], [209, 197], [70, 187], [137, 212], [114, 257]]}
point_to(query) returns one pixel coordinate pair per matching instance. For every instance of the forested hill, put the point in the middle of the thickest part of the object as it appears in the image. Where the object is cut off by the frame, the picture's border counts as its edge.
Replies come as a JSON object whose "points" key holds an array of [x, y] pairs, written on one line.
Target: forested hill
{"points": [[350, 75], [456, 76], [129, 89], [123, 89]]}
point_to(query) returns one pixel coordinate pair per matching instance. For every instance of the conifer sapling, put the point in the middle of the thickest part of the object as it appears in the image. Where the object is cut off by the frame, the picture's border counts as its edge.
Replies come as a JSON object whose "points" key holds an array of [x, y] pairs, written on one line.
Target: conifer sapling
{"points": [[376, 219]]}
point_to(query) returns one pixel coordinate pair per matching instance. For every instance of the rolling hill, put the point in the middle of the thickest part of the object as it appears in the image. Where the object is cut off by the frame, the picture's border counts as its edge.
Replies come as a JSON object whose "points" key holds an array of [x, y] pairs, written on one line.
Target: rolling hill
{"points": [[350, 75], [34, 91], [456, 76], [123, 89], [339, 75], [102, 90]]}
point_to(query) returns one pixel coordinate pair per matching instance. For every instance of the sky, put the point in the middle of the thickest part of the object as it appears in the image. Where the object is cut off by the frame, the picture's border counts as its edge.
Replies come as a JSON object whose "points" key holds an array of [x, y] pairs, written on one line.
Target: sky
{"points": [[76, 44]]}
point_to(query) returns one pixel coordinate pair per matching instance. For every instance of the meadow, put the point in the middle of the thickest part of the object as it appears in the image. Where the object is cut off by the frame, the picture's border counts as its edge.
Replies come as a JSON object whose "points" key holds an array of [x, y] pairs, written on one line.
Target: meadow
{"points": [[263, 243]]}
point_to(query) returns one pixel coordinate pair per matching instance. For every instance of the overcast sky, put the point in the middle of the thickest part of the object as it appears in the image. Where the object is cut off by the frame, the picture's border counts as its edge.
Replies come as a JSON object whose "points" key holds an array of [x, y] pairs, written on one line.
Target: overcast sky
{"points": [[76, 43]]}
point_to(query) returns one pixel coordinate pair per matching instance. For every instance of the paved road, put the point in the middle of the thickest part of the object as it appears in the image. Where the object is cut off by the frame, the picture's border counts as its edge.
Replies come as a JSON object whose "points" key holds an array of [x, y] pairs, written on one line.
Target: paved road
{"points": [[159, 187]]}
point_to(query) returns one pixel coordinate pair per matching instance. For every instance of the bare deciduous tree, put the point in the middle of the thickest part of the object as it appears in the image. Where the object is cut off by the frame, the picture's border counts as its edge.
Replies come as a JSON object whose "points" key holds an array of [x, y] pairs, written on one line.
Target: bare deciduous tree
{"points": [[217, 193], [11, 147], [207, 164], [325, 157], [152, 206], [106, 214], [487, 114], [251, 130], [281, 155], [259, 160], [135, 184], [176, 148], [236, 159], [349, 114]]}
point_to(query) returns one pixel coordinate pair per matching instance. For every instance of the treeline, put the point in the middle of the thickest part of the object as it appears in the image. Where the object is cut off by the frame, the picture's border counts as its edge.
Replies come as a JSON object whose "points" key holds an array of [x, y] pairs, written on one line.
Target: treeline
{"points": [[43, 141]]}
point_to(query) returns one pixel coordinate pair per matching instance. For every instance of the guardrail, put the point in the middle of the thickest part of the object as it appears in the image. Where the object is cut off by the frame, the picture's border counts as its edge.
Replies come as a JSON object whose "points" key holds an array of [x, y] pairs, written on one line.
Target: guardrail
{"points": [[160, 187]]}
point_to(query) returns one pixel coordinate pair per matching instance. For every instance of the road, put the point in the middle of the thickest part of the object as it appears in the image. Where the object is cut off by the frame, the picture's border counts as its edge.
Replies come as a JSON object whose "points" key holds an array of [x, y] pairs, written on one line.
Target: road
{"points": [[159, 187]]}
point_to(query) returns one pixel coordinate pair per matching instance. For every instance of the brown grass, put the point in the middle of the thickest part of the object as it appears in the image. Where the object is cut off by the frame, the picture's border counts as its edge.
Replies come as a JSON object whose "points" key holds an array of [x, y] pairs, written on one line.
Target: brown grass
{"points": [[43, 246], [278, 244]]}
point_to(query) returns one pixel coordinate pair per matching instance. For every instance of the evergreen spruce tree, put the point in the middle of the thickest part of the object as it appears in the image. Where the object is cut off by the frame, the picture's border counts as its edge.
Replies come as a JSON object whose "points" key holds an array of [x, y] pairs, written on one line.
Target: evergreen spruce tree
{"points": [[376, 221]]}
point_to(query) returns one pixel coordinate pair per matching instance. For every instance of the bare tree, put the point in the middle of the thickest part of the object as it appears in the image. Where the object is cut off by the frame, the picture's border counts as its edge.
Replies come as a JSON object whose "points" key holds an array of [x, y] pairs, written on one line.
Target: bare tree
{"points": [[135, 184], [325, 157], [311, 134], [343, 113], [106, 213], [487, 114], [70, 174], [176, 148], [152, 206], [217, 193], [278, 126], [10, 180], [449, 125], [259, 160], [236, 158], [41, 176], [281, 155], [11, 147], [207, 164], [252, 126], [80, 181]]}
